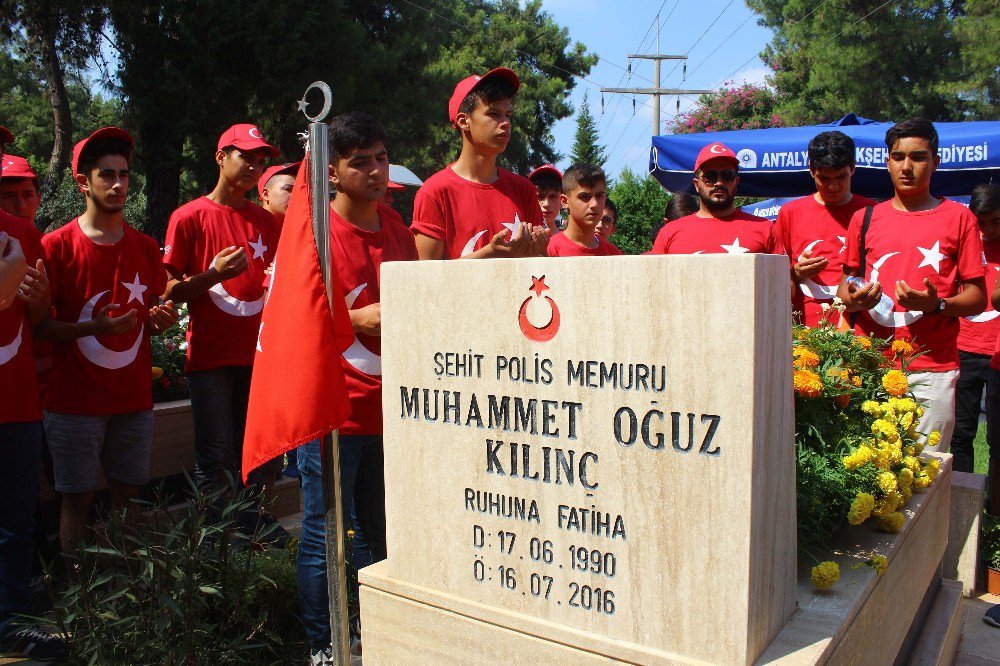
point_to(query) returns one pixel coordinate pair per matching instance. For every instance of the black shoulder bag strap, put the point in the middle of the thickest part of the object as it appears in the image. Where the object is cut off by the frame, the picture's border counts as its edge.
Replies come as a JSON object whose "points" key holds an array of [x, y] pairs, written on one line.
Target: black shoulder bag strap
{"points": [[862, 253]]}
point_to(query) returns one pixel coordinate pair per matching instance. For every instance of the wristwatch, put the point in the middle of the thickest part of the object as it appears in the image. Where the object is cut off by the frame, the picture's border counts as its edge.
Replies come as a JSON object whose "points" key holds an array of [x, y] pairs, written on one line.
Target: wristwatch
{"points": [[941, 305]]}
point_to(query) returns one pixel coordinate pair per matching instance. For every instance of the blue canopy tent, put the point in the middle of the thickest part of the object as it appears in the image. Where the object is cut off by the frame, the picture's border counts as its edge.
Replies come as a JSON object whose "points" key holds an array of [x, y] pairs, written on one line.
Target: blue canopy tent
{"points": [[768, 208], [774, 162]]}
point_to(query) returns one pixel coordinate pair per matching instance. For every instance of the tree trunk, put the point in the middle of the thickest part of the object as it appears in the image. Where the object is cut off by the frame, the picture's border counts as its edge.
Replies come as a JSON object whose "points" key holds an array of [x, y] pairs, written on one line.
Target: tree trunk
{"points": [[62, 117], [162, 160]]}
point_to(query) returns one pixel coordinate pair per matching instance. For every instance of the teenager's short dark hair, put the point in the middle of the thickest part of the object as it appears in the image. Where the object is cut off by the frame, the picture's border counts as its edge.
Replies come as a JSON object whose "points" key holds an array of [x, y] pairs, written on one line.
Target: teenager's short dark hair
{"points": [[20, 179], [587, 175], [493, 89], [920, 128], [985, 199], [681, 205], [608, 203], [831, 150], [350, 131], [98, 148], [545, 181]]}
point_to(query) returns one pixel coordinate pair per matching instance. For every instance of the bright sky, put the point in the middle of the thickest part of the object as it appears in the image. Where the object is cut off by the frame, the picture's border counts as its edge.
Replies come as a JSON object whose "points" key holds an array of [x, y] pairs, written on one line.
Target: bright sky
{"points": [[721, 38]]}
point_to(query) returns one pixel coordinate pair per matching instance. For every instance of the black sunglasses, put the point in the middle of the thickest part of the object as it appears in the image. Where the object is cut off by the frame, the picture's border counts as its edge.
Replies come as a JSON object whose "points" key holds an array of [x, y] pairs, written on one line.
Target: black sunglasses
{"points": [[713, 176]]}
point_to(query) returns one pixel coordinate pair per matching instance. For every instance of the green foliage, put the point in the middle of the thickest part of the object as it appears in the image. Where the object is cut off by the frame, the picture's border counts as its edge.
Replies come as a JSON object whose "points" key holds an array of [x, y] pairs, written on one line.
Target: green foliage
{"points": [[163, 588], [989, 541], [641, 202], [884, 60], [746, 106], [169, 356], [586, 148]]}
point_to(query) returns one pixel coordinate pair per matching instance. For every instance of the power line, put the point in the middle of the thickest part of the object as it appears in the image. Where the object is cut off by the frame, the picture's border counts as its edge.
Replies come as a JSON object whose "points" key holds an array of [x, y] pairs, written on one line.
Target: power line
{"points": [[710, 25]]}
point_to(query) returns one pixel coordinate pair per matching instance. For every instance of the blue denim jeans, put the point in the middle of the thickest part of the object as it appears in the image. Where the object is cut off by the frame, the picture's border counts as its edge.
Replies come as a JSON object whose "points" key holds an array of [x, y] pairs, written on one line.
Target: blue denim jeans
{"points": [[362, 488], [19, 458]]}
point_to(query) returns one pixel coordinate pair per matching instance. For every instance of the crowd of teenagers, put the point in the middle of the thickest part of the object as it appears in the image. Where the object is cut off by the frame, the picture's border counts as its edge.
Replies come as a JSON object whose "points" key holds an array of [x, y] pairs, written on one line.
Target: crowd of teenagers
{"points": [[79, 304]]}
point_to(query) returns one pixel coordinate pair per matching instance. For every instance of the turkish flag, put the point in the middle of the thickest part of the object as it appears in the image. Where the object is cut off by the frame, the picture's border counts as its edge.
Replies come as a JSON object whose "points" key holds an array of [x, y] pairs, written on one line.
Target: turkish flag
{"points": [[297, 392]]}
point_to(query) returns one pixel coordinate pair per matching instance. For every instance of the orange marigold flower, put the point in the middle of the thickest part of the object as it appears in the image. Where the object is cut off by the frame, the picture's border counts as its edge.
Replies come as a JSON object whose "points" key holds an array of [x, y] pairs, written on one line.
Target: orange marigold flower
{"points": [[902, 348], [895, 383], [842, 400], [856, 380], [863, 342], [807, 384], [804, 358]]}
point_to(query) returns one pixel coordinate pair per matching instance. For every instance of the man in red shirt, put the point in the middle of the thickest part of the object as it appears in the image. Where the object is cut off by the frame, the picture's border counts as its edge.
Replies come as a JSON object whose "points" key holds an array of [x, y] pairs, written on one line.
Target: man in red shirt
{"points": [[364, 234], [217, 249], [927, 253], [275, 189], [19, 188], [718, 226], [472, 208], [584, 193], [813, 229], [20, 432]]}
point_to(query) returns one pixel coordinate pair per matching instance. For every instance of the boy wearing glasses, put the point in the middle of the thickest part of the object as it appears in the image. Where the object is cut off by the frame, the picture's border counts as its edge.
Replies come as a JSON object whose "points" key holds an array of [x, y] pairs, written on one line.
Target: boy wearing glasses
{"points": [[813, 229], [718, 226]]}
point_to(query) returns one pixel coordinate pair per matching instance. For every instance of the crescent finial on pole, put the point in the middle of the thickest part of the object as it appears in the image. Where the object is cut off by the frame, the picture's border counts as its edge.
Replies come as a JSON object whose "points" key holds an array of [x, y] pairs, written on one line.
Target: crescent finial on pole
{"points": [[327, 101]]}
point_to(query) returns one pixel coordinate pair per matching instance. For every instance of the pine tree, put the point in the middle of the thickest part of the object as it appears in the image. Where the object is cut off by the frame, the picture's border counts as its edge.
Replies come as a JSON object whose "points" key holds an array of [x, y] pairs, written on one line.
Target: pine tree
{"points": [[585, 146]]}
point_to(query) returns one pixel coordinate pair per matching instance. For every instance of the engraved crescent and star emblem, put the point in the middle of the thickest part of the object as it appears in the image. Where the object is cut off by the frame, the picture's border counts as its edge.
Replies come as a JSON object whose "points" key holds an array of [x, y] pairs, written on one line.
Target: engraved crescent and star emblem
{"points": [[530, 331]]}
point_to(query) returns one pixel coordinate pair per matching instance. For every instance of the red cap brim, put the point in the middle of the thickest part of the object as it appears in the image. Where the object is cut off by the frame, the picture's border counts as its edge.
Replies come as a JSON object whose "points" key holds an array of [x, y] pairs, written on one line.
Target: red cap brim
{"points": [[103, 133]]}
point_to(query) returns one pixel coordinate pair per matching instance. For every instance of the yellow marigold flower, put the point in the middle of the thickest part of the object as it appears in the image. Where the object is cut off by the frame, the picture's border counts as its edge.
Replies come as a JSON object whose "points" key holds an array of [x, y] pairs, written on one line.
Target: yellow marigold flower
{"points": [[895, 383], [871, 408], [896, 455], [804, 358], [920, 412], [887, 504], [912, 463], [858, 458], [921, 481], [861, 508], [886, 430], [932, 468], [879, 563], [891, 523], [825, 575], [906, 420], [905, 478], [918, 448], [882, 458], [906, 493], [157, 372], [902, 348], [887, 482], [903, 405], [863, 342], [807, 384], [933, 438]]}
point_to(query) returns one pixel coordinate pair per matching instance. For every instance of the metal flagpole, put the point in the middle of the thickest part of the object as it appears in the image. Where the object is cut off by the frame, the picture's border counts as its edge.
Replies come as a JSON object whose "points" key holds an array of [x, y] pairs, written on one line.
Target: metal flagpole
{"points": [[336, 567]]}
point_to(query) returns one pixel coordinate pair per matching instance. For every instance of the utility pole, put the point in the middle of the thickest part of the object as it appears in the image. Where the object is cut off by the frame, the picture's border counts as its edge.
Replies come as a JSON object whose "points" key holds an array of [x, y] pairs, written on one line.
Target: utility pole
{"points": [[656, 92]]}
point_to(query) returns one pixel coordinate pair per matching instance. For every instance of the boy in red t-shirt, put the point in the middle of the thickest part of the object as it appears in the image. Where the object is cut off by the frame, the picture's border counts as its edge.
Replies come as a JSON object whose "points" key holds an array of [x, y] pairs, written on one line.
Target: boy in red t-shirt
{"points": [[472, 208], [19, 188], [813, 229], [608, 223], [22, 304], [718, 226], [364, 234], [927, 253], [584, 192], [217, 249], [548, 188], [275, 189], [105, 278]]}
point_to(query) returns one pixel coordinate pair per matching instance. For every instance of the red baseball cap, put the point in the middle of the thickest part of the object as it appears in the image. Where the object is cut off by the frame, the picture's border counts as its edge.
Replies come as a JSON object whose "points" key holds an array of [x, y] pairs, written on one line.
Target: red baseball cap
{"points": [[466, 85], [292, 169], [396, 187], [714, 150], [103, 133], [16, 167], [246, 137], [545, 168], [5, 135]]}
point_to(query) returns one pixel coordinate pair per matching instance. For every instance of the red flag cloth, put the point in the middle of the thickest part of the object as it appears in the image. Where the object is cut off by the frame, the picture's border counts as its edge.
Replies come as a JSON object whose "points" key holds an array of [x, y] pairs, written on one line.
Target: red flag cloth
{"points": [[297, 392]]}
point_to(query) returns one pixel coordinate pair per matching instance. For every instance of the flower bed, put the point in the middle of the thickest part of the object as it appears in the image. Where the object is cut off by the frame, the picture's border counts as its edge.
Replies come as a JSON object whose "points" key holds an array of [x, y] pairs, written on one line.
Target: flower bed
{"points": [[169, 351], [857, 445]]}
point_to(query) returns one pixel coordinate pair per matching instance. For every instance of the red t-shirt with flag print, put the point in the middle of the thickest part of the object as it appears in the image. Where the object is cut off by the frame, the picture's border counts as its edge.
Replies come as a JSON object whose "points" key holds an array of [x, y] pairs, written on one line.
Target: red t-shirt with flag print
{"points": [[358, 256], [734, 234], [561, 246], [104, 374], [224, 321], [806, 224], [465, 215], [17, 366], [978, 334], [942, 245]]}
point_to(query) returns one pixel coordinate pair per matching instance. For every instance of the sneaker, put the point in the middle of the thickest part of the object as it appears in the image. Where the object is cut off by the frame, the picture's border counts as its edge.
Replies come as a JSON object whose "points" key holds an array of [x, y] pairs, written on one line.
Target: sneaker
{"points": [[36, 644], [992, 616], [323, 657]]}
